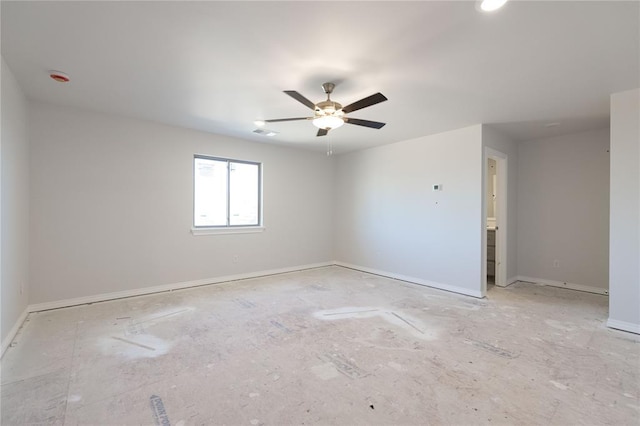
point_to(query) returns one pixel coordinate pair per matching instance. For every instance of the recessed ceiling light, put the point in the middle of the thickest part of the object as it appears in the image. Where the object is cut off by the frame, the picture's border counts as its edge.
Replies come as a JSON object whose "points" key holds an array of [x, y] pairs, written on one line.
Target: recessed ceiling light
{"points": [[259, 123], [59, 76], [491, 5]]}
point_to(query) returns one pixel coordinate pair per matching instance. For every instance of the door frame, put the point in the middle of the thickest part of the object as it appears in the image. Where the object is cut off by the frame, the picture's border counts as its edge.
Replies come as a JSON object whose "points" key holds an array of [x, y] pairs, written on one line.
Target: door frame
{"points": [[501, 215]]}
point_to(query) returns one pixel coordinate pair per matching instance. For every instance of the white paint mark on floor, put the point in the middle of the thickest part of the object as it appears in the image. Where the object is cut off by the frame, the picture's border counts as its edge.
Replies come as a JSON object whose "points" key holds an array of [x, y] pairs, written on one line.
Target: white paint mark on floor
{"points": [[507, 308], [565, 326], [558, 385], [74, 398], [162, 315], [325, 371], [396, 366], [140, 346], [433, 296], [628, 395], [492, 349], [397, 318], [255, 422], [404, 321], [254, 394], [347, 312], [467, 306]]}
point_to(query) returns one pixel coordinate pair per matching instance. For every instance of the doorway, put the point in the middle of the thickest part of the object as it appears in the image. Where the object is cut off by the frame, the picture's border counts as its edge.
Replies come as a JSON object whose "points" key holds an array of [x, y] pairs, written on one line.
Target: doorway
{"points": [[491, 199], [495, 215]]}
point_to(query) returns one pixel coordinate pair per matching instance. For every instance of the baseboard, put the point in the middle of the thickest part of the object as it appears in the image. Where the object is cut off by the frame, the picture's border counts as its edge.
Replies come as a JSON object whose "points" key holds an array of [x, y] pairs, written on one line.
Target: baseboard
{"points": [[14, 331], [509, 282], [433, 284], [167, 287], [570, 286], [624, 326]]}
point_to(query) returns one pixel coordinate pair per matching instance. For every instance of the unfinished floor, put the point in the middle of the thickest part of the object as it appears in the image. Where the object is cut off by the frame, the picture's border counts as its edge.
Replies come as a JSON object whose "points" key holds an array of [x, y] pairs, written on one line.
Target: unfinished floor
{"points": [[325, 346]]}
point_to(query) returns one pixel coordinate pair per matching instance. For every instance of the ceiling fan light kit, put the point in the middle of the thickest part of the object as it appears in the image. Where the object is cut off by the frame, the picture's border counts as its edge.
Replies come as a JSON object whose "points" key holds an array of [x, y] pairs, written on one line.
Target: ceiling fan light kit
{"points": [[330, 115], [328, 122], [491, 5]]}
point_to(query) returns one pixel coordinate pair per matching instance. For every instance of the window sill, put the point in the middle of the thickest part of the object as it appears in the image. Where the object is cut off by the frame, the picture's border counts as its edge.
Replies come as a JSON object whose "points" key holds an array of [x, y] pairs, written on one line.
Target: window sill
{"points": [[230, 230]]}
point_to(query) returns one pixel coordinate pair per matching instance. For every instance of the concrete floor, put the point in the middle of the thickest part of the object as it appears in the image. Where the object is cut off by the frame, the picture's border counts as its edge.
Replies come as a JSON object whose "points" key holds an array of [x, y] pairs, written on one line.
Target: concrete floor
{"points": [[326, 346]]}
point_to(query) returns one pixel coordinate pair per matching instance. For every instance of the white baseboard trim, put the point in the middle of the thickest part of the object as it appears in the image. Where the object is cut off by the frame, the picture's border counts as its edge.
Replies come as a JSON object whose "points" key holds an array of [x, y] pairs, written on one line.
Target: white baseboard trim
{"points": [[167, 287], [571, 286], [433, 284], [509, 282], [624, 326], [14, 331]]}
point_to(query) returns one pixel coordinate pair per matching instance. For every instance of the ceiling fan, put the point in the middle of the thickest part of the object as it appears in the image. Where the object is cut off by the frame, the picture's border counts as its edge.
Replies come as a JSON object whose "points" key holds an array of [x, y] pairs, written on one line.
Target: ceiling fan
{"points": [[331, 115]]}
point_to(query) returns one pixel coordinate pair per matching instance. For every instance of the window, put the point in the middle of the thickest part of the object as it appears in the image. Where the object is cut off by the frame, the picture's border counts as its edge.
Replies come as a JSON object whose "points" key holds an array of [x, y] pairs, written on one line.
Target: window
{"points": [[226, 193]]}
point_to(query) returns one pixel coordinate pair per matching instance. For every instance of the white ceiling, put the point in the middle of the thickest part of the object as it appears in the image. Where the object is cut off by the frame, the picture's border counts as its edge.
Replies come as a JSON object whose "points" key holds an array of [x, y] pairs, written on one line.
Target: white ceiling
{"points": [[218, 66]]}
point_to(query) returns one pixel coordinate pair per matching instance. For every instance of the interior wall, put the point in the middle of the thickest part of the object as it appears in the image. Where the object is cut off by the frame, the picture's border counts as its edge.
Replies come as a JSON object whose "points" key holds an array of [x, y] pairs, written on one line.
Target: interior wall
{"points": [[14, 166], [492, 138], [389, 219], [563, 209], [112, 207], [624, 249]]}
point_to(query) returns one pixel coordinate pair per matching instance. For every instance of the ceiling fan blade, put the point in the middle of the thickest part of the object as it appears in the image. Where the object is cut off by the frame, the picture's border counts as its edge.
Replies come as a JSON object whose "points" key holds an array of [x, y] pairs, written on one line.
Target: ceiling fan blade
{"points": [[322, 132], [298, 97], [276, 120], [366, 102], [365, 123]]}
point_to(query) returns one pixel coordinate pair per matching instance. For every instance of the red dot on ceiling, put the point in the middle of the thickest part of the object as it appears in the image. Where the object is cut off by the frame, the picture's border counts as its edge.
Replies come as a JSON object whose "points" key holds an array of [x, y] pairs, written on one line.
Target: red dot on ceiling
{"points": [[59, 76]]}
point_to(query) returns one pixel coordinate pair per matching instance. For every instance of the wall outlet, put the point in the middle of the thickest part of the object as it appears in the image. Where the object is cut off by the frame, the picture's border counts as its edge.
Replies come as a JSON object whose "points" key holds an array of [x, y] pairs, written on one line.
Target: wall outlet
{"points": [[556, 263], [437, 187]]}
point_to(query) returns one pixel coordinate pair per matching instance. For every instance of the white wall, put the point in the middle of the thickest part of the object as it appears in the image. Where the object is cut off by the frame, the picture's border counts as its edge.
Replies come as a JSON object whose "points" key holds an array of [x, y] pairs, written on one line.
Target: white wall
{"points": [[563, 209], [389, 220], [624, 254], [111, 206], [499, 142], [15, 205]]}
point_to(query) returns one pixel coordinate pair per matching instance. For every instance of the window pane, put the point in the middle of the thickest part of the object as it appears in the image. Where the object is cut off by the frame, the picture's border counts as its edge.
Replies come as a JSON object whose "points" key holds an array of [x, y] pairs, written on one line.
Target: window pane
{"points": [[244, 189], [210, 192]]}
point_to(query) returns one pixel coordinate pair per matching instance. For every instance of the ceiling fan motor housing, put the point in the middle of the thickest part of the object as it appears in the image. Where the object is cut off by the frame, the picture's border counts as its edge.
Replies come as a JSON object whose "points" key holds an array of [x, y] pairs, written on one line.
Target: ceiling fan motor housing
{"points": [[329, 108]]}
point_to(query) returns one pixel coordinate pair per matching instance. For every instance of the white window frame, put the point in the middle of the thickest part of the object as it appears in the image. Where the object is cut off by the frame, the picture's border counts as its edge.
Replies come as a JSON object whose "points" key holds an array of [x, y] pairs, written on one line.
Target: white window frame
{"points": [[228, 228]]}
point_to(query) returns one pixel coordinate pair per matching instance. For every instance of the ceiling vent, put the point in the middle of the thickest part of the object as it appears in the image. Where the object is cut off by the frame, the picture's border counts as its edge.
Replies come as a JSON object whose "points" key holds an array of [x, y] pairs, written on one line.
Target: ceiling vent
{"points": [[265, 132]]}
